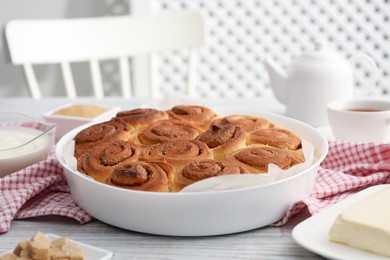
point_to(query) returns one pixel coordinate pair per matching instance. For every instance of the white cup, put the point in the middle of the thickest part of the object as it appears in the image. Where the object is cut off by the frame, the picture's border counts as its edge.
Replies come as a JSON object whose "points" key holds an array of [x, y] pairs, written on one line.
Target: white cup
{"points": [[361, 120]]}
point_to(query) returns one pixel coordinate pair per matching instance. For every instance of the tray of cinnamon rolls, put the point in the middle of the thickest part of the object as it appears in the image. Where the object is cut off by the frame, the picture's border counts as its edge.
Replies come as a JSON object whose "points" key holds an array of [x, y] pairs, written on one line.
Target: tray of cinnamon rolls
{"points": [[131, 171]]}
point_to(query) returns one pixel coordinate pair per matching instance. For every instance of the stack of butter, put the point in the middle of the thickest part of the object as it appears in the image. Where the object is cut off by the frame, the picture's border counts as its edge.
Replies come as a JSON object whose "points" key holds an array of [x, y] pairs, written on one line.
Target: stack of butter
{"points": [[41, 248], [365, 224]]}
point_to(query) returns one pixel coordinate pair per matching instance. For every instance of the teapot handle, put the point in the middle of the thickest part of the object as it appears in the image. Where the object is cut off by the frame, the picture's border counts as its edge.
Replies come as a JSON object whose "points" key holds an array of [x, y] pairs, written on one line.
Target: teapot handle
{"points": [[371, 82]]}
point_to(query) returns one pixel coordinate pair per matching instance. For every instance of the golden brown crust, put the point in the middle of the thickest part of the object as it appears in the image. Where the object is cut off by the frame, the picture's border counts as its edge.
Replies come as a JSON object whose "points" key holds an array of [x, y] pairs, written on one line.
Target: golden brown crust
{"points": [[199, 115], [246, 122], [256, 158], [141, 117], [176, 153], [167, 131], [200, 170], [275, 137], [143, 176], [297, 156], [101, 160], [112, 130], [223, 139]]}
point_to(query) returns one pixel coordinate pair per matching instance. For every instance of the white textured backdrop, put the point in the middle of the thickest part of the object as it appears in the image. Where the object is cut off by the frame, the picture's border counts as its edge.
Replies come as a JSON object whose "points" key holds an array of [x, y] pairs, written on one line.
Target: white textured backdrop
{"points": [[242, 32]]}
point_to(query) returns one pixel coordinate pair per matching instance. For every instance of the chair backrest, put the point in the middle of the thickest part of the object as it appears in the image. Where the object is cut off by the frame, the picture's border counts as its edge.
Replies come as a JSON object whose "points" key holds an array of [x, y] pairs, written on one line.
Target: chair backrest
{"points": [[64, 41]]}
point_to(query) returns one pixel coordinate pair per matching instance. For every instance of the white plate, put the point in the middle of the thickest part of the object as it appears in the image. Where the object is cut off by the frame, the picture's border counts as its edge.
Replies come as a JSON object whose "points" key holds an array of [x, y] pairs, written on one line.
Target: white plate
{"points": [[312, 233], [90, 252]]}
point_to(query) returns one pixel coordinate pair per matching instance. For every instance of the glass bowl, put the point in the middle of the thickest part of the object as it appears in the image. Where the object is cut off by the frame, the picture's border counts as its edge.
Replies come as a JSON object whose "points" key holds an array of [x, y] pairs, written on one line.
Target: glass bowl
{"points": [[23, 141]]}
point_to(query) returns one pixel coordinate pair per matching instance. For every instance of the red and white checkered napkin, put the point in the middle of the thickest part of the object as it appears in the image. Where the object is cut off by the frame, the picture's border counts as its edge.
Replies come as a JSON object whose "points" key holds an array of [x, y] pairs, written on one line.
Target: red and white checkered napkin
{"points": [[41, 189], [347, 169], [38, 190]]}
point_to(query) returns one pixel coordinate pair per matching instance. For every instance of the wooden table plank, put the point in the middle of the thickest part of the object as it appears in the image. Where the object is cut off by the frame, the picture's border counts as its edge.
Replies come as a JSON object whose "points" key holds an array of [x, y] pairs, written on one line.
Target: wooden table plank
{"points": [[264, 243]]}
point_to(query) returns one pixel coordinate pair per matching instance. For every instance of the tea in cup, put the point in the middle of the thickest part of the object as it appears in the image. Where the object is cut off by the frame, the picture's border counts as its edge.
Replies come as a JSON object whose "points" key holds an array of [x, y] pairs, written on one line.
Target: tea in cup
{"points": [[361, 120]]}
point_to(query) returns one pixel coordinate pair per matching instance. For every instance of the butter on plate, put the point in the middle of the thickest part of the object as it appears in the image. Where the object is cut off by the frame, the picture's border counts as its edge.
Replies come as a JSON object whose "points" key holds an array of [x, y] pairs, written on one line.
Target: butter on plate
{"points": [[365, 224]]}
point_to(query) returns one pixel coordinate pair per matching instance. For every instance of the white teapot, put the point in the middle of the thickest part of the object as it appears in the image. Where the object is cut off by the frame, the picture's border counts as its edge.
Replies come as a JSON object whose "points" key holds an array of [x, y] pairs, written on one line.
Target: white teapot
{"points": [[315, 79]]}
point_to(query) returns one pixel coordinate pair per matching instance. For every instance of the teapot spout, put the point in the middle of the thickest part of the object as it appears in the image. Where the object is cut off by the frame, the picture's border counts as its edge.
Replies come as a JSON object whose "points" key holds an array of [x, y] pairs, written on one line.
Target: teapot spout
{"points": [[278, 81]]}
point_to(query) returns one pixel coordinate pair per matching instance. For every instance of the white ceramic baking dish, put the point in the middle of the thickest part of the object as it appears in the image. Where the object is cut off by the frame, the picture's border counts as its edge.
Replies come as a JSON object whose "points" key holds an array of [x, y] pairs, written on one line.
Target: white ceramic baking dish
{"points": [[201, 213]]}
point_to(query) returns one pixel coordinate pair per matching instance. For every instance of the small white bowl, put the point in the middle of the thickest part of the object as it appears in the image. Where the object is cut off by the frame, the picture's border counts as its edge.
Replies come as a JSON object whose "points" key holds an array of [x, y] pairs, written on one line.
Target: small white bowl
{"points": [[24, 141], [65, 123]]}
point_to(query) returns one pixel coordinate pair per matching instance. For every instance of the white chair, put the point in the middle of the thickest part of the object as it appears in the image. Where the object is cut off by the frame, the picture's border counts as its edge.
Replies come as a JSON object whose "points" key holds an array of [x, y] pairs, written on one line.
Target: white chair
{"points": [[63, 41]]}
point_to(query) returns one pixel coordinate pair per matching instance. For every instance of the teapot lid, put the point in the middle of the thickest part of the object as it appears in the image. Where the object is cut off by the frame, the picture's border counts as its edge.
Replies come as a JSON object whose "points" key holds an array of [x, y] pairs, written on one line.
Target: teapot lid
{"points": [[322, 53]]}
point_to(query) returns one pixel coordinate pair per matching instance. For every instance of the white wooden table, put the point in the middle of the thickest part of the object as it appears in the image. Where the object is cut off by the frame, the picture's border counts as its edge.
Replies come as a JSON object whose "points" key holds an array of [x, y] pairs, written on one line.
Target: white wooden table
{"points": [[263, 243]]}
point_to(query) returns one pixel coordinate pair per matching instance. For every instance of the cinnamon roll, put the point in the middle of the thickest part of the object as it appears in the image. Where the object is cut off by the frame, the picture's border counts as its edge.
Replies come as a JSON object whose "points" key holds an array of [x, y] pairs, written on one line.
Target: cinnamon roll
{"points": [[246, 122], [153, 150], [223, 139], [101, 160], [114, 129], [141, 117], [256, 158], [176, 153], [198, 115], [275, 137], [297, 156], [168, 130], [143, 176], [199, 170]]}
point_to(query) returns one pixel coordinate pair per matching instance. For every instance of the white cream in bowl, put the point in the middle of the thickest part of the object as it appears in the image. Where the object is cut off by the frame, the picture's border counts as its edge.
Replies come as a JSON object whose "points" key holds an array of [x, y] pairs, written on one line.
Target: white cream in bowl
{"points": [[21, 147], [23, 141]]}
